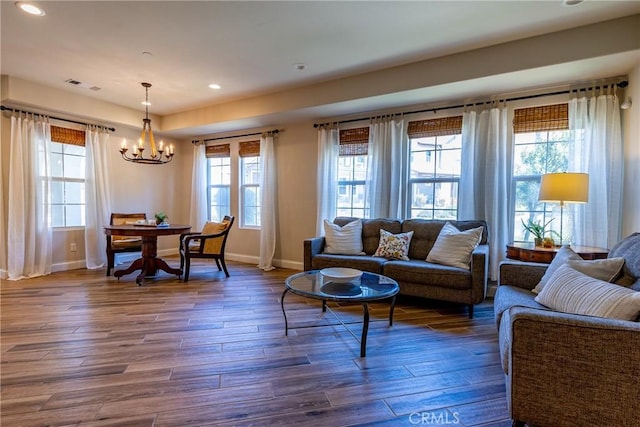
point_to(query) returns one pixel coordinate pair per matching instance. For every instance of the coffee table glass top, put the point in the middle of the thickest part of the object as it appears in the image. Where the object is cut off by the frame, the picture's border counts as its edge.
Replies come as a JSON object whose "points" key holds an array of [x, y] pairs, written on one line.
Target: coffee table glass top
{"points": [[368, 287]]}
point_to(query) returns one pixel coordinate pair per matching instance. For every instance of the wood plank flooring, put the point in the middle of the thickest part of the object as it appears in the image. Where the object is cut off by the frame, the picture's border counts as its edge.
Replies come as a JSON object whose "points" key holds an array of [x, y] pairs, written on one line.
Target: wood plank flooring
{"points": [[78, 348]]}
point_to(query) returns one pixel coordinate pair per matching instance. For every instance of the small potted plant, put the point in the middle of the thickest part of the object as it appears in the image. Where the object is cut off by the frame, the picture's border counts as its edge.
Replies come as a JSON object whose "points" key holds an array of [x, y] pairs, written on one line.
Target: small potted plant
{"points": [[161, 218], [539, 230]]}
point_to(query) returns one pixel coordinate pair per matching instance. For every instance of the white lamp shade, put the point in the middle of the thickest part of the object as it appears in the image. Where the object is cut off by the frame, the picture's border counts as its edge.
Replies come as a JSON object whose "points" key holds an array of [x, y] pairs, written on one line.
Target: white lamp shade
{"points": [[564, 187]]}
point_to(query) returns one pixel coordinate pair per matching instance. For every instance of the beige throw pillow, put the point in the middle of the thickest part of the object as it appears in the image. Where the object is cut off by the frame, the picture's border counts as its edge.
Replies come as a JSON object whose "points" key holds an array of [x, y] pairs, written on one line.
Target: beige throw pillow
{"points": [[571, 291], [345, 240], [454, 247]]}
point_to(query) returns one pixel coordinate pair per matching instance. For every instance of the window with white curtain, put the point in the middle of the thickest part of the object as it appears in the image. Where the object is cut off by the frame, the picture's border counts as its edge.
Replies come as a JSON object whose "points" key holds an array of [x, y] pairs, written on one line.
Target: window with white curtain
{"points": [[249, 153], [542, 144], [352, 173], [67, 177], [218, 181], [435, 167]]}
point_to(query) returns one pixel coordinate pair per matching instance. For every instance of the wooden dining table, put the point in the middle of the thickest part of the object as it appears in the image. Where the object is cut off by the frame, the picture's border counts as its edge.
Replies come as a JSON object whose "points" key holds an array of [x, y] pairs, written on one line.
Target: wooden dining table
{"points": [[149, 263]]}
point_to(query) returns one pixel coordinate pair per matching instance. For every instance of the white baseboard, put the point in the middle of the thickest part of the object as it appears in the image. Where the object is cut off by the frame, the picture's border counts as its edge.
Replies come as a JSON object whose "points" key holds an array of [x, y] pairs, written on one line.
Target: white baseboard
{"points": [[250, 259]]}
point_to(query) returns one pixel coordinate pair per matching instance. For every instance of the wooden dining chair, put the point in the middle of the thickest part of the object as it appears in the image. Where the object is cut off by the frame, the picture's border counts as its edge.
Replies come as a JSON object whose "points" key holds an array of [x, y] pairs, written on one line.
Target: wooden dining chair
{"points": [[209, 244], [118, 244]]}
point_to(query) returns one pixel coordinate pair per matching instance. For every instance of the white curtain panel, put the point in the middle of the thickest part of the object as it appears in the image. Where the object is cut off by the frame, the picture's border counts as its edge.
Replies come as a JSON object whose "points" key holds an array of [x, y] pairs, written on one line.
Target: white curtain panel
{"points": [[485, 181], [268, 188], [597, 146], [97, 195], [328, 139], [29, 232], [198, 211], [387, 168]]}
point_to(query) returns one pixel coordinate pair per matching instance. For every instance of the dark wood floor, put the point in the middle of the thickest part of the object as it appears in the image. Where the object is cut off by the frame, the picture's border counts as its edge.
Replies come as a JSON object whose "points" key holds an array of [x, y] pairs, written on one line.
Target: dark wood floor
{"points": [[80, 348]]}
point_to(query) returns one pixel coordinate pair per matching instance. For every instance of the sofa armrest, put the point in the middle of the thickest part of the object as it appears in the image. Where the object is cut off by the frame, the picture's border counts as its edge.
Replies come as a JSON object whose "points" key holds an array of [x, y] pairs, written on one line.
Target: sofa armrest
{"points": [[312, 247], [525, 275], [591, 363], [479, 273]]}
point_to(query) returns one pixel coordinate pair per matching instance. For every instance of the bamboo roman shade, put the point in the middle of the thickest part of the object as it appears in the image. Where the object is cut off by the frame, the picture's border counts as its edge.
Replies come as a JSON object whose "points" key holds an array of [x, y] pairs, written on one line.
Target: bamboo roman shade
{"points": [[543, 118], [354, 142], [435, 127], [67, 136], [221, 150], [249, 149]]}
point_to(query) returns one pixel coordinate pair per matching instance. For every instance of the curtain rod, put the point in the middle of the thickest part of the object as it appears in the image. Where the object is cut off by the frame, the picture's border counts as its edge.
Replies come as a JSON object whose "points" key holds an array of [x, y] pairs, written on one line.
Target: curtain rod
{"points": [[197, 141], [3, 108], [622, 84]]}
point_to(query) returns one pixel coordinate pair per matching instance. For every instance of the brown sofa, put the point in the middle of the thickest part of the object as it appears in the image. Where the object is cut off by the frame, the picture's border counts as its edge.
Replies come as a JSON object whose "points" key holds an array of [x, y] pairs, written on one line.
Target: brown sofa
{"points": [[416, 277], [567, 369]]}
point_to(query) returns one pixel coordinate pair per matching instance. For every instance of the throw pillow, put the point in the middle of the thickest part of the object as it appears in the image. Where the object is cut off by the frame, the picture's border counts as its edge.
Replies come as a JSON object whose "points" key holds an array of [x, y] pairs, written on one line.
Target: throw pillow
{"points": [[602, 269], [454, 247], [345, 240], [570, 291], [214, 245], [564, 254], [394, 246]]}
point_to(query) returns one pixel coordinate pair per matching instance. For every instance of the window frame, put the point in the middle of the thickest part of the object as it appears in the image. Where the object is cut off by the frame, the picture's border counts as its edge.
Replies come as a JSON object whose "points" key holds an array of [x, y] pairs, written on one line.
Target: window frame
{"points": [[65, 138], [211, 186], [244, 187]]}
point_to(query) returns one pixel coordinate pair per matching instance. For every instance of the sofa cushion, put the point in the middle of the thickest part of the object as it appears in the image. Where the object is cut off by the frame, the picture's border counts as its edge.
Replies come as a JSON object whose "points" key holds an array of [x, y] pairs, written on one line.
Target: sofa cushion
{"points": [[571, 291], [510, 296], [428, 274], [426, 231], [345, 240], [371, 230], [453, 247], [394, 246], [362, 262]]}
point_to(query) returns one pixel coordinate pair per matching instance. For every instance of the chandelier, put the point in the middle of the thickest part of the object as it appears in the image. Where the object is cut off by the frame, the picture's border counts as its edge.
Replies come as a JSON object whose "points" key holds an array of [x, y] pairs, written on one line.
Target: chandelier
{"points": [[157, 155]]}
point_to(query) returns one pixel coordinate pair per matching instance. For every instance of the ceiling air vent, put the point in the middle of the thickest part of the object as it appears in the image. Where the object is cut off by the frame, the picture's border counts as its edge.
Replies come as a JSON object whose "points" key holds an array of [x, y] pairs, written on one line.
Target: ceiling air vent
{"points": [[84, 85]]}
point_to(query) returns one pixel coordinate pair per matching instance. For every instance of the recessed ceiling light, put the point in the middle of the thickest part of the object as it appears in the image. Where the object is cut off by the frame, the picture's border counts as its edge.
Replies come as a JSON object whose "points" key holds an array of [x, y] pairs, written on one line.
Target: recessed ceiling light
{"points": [[30, 8], [215, 86], [300, 66], [572, 2]]}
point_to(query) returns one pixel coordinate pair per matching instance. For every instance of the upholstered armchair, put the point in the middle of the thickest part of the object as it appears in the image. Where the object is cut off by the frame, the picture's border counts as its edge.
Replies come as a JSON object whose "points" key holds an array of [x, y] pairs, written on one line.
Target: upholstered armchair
{"points": [[117, 244], [208, 244]]}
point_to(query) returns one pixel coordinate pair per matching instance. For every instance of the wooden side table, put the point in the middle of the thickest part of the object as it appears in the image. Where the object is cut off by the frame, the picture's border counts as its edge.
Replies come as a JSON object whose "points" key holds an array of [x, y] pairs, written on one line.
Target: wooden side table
{"points": [[526, 251]]}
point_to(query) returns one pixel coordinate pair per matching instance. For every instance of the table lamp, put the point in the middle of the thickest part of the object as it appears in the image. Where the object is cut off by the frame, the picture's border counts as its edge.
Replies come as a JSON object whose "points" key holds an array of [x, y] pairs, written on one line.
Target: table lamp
{"points": [[566, 187]]}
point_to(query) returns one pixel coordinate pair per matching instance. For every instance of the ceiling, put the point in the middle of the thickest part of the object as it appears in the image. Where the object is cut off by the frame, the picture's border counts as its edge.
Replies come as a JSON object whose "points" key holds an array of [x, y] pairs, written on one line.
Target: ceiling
{"points": [[253, 48]]}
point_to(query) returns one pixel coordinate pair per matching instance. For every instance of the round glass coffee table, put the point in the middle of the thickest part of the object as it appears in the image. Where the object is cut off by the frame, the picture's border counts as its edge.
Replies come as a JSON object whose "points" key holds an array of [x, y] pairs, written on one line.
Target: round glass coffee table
{"points": [[367, 288]]}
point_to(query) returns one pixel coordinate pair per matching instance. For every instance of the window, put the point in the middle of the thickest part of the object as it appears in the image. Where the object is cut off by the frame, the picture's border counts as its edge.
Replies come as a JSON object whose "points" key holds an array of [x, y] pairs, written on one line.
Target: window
{"points": [[67, 177], [352, 173], [435, 163], [541, 145], [219, 179], [250, 183]]}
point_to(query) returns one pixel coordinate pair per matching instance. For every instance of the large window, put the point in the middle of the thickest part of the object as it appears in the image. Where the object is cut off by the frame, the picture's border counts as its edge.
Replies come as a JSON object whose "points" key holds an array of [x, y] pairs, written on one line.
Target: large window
{"points": [[352, 173], [219, 179], [435, 156], [250, 183], [541, 145], [67, 177]]}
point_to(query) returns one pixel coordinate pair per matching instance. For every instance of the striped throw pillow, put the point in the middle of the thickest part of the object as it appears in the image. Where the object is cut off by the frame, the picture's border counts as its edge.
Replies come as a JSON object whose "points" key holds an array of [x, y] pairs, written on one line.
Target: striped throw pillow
{"points": [[453, 247], [571, 291], [346, 240]]}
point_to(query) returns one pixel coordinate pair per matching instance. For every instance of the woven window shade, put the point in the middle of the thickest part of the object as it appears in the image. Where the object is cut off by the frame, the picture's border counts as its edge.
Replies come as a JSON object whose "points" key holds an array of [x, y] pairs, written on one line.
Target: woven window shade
{"points": [[435, 127], [354, 142], [249, 149], [67, 136], [222, 150], [543, 118]]}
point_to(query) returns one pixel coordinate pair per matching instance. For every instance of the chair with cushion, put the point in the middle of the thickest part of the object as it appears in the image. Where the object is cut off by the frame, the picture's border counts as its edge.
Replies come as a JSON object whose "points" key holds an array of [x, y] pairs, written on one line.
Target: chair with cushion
{"points": [[208, 244], [117, 244]]}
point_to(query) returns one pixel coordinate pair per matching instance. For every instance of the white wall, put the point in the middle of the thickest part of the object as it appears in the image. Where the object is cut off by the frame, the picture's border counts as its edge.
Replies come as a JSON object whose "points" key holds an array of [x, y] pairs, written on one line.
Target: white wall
{"points": [[631, 134]]}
